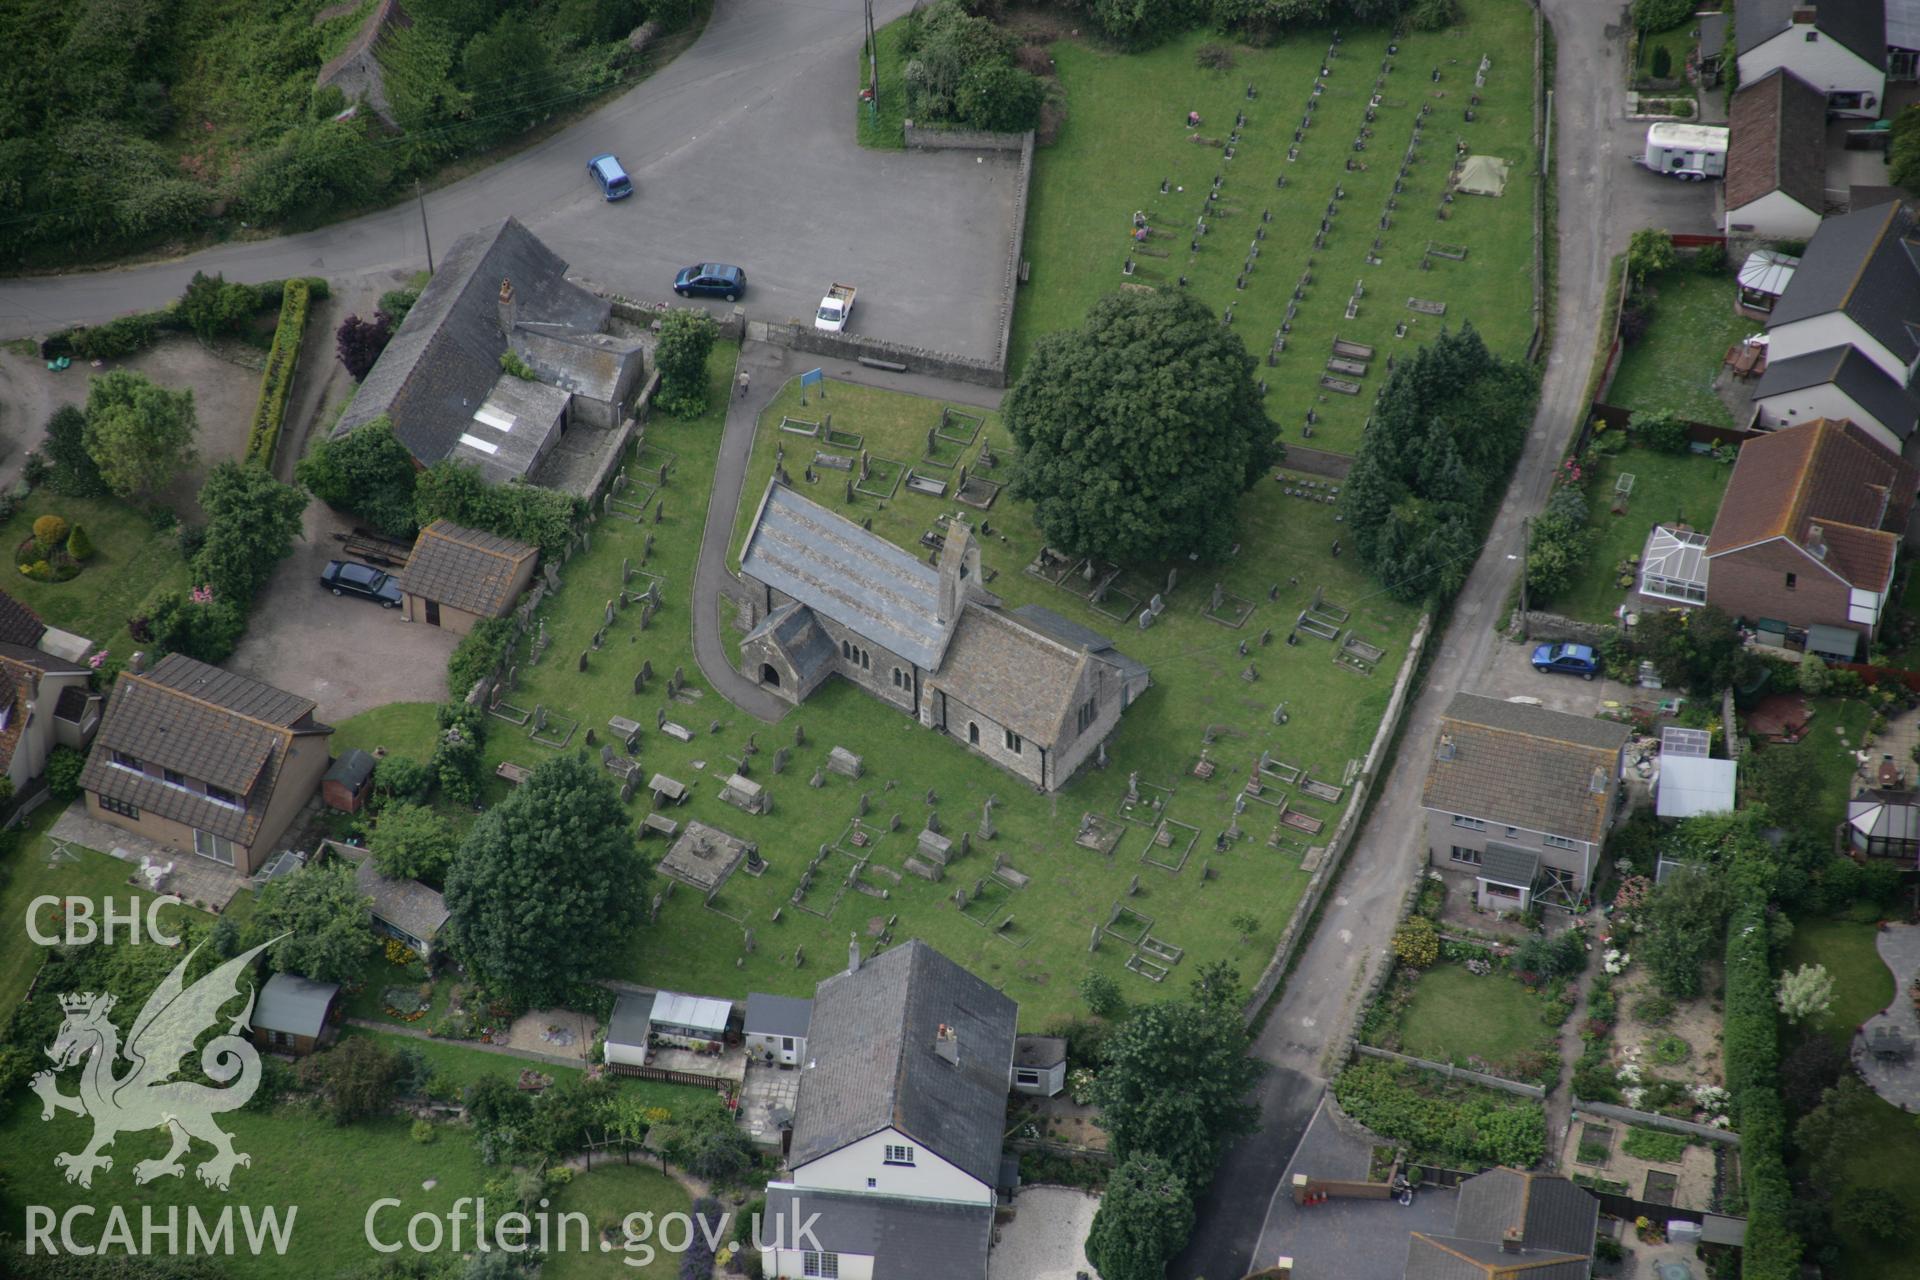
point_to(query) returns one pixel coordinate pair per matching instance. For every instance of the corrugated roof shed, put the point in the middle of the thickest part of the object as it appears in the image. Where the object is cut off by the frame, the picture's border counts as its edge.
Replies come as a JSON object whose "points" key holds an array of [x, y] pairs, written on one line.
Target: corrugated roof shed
{"points": [[293, 1004]]}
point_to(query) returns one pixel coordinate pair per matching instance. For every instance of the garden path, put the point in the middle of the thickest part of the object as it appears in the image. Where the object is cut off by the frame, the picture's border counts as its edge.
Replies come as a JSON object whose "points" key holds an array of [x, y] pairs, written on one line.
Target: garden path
{"points": [[1560, 1097], [1898, 1081], [416, 1033]]}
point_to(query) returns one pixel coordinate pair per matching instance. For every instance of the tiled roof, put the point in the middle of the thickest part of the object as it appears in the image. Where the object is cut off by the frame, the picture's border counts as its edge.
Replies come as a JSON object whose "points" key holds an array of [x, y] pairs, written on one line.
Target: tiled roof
{"points": [[925, 1239], [1891, 404], [19, 624], [465, 568], [407, 905], [1524, 766], [872, 1063], [206, 724], [848, 575], [1778, 142], [1862, 264], [1551, 1212], [1826, 474], [446, 355], [1072, 634], [1858, 25], [1012, 673], [1435, 1257]]}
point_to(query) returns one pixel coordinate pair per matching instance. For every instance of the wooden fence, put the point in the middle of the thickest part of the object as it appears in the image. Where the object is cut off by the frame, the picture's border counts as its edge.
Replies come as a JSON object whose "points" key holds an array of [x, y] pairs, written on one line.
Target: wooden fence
{"points": [[662, 1074]]}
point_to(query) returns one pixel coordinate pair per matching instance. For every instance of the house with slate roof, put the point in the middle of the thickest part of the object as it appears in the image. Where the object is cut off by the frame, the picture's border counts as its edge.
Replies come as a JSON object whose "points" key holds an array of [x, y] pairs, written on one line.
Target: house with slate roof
{"points": [[45, 702], [1856, 290], [440, 381], [199, 759], [458, 576], [1810, 528], [1839, 47], [1509, 1224], [1776, 184], [1520, 798], [897, 1127], [1032, 691]]}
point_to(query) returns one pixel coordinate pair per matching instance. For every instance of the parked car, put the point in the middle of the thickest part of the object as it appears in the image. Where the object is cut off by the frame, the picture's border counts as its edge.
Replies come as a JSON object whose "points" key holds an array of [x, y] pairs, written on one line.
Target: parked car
{"points": [[710, 280], [613, 180], [348, 578], [1571, 659]]}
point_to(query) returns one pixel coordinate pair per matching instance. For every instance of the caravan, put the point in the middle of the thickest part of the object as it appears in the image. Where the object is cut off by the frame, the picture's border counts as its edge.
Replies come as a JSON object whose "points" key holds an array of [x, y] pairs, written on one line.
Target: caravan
{"points": [[1690, 152]]}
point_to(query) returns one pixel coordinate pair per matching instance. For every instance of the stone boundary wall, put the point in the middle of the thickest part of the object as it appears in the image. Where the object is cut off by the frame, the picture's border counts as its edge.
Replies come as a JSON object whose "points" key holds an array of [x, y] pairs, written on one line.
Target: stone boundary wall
{"points": [[924, 138], [1452, 1072], [1552, 626], [1628, 1115], [732, 326], [1294, 935], [859, 347]]}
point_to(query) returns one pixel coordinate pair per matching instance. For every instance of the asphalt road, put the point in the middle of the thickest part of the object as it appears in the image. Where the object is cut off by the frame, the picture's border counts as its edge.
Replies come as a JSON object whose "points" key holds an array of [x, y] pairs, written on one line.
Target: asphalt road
{"points": [[742, 150], [1603, 199]]}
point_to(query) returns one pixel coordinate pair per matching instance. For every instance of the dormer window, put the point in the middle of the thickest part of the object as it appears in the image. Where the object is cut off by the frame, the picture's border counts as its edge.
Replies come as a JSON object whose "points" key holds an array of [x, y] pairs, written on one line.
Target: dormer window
{"points": [[220, 795], [126, 761]]}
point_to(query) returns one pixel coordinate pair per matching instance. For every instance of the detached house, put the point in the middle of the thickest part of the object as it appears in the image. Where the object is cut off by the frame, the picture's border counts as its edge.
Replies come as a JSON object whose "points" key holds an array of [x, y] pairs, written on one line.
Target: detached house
{"points": [[1839, 47], [1844, 339], [1810, 529], [1034, 692], [898, 1123], [196, 758], [1776, 184], [1520, 798]]}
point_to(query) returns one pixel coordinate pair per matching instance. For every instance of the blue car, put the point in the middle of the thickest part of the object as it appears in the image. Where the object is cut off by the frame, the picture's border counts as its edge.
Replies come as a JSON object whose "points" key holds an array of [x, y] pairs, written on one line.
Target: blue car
{"points": [[710, 280], [613, 180], [1570, 659]]}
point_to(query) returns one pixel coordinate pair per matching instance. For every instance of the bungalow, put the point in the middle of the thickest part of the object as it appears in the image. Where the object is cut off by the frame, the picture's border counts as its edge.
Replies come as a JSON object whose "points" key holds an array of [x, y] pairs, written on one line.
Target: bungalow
{"points": [[1839, 47], [291, 1013], [1776, 184], [1810, 528], [1520, 798], [194, 757], [776, 1028], [458, 576]]}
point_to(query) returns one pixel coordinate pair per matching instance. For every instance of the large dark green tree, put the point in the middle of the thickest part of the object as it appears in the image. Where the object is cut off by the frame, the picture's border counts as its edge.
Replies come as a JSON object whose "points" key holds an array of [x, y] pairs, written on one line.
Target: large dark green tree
{"points": [[1144, 1219], [367, 472], [325, 919], [549, 885], [1446, 430], [252, 520], [1176, 1078], [686, 339], [138, 434], [1139, 430]]}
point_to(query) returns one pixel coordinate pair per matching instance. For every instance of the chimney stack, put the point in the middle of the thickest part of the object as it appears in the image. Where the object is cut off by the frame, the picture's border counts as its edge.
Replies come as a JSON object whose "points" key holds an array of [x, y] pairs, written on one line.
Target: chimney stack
{"points": [[1282, 1269], [853, 953], [137, 664], [1510, 1240], [1804, 15], [1816, 542], [946, 1043], [506, 307]]}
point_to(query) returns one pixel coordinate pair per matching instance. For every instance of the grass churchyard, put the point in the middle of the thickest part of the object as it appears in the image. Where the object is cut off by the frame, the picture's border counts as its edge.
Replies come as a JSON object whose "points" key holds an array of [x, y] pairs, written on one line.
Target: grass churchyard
{"points": [[1032, 883], [1314, 202]]}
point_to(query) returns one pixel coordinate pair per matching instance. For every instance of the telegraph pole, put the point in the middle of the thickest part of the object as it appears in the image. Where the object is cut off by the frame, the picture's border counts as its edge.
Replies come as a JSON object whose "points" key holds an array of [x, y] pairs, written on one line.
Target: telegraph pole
{"points": [[419, 196], [1526, 539]]}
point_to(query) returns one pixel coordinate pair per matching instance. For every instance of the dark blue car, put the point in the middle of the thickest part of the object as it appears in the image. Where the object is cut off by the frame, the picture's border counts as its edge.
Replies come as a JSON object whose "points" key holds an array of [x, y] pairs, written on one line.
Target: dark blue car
{"points": [[347, 578], [1570, 659], [710, 280]]}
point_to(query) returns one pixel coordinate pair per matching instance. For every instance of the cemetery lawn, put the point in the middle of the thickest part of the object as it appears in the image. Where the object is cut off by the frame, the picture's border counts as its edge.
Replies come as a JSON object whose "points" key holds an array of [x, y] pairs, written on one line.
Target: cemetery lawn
{"points": [[1673, 367], [606, 1195], [1033, 941], [1862, 984], [1125, 130], [1666, 488], [130, 564], [1456, 1015]]}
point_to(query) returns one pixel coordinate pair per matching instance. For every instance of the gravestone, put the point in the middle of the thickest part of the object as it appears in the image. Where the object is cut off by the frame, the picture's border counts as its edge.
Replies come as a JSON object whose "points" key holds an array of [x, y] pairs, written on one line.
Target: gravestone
{"points": [[799, 736], [780, 761], [866, 802], [817, 780], [583, 660], [1093, 943], [1133, 887]]}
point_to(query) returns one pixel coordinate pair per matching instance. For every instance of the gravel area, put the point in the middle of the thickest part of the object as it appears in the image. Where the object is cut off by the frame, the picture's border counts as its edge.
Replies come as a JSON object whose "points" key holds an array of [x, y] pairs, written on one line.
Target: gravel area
{"points": [[1047, 1238]]}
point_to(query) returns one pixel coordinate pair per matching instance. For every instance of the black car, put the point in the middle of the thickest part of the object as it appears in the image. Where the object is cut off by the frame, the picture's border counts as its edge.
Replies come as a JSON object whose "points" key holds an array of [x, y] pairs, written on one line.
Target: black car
{"points": [[347, 578], [710, 280]]}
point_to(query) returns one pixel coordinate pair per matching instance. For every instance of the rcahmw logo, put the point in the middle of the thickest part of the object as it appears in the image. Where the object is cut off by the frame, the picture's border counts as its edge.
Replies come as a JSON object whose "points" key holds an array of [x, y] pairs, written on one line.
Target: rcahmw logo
{"points": [[161, 1230]]}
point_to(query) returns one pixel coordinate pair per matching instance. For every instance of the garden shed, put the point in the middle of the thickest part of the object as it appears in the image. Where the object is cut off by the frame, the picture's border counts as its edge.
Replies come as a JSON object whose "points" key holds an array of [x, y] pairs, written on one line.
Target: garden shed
{"points": [[290, 1013], [1673, 565], [681, 1020], [1692, 785], [345, 786], [776, 1027]]}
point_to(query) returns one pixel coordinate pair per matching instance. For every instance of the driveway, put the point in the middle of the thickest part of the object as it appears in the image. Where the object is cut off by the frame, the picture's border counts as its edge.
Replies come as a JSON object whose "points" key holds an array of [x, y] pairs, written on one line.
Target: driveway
{"points": [[348, 655], [1508, 673], [742, 149], [1602, 201]]}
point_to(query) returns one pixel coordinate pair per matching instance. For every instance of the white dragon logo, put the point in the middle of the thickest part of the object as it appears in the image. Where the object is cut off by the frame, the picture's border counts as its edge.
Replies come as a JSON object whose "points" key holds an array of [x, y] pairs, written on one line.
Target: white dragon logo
{"points": [[146, 1096]]}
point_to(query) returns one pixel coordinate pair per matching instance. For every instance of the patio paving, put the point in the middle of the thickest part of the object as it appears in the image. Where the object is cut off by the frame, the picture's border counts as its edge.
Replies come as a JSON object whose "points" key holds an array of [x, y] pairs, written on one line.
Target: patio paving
{"points": [[767, 1097], [196, 880], [1898, 1081]]}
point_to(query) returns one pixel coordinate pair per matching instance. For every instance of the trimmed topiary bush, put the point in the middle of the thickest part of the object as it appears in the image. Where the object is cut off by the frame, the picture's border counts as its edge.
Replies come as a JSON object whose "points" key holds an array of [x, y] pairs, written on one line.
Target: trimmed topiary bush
{"points": [[79, 545]]}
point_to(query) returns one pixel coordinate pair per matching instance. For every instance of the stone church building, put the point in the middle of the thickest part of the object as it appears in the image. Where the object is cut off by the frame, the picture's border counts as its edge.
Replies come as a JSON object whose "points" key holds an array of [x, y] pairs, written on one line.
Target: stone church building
{"points": [[1032, 691]]}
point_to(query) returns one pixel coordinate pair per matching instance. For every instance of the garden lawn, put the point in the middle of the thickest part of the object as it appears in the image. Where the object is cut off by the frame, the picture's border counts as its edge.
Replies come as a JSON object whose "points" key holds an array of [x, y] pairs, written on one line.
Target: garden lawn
{"points": [[403, 728], [328, 1176], [32, 871], [1679, 42], [607, 1196], [1862, 984], [1891, 1162], [1667, 488], [1125, 131], [1673, 366], [1838, 727], [1456, 1015], [130, 564], [1032, 941]]}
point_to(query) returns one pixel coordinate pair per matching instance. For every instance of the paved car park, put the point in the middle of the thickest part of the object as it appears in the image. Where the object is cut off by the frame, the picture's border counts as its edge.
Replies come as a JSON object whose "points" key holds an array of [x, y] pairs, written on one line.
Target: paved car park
{"points": [[347, 654]]}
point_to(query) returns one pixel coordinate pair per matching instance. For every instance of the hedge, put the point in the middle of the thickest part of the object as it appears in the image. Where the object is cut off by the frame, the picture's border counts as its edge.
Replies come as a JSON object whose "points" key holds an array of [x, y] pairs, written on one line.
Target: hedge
{"points": [[283, 358], [1750, 1050], [477, 654], [128, 335]]}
